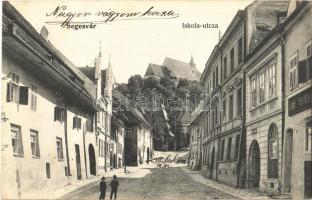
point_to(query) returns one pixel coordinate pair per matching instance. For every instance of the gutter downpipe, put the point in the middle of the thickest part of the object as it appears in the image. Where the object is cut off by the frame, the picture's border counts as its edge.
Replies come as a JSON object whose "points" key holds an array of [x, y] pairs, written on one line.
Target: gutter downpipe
{"points": [[241, 176], [282, 43]]}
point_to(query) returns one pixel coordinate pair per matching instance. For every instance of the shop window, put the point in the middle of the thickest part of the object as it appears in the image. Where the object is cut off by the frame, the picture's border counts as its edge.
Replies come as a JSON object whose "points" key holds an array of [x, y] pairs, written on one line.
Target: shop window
{"points": [[273, 152]]}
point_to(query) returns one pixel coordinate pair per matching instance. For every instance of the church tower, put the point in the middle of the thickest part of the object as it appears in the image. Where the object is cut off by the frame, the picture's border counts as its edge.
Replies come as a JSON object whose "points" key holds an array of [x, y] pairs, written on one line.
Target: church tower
{"points": [[97, 74], [192, 63]]}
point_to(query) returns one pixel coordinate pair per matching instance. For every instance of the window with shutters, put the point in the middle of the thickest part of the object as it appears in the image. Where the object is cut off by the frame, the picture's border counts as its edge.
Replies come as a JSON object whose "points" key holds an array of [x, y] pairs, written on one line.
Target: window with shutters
{"points": [[89, 124], [59, 149], [293, 66], [273, 152], [261, 79], [309, 59], [17, 141], [23, 95], [33, 100], [253, 89], [76, 123], [272, 85], [34, 143], [229, 149], [13, 89], [59, 114]]}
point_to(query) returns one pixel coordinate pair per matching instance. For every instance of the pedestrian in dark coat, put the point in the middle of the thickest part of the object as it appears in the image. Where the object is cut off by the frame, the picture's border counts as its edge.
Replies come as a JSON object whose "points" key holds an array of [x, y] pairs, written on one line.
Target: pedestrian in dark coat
{"points": [[114, 186], [102, 188]]}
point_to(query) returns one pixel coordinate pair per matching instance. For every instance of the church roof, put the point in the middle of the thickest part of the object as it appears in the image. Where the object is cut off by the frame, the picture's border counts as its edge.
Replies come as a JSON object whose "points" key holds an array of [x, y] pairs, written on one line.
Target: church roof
{"points": [[182, 69], [88, 71], [174, 69], [158, 70]]}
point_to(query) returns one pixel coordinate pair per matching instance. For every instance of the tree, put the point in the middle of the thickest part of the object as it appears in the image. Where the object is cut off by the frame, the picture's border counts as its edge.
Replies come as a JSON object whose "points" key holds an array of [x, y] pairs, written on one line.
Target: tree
{"points": [[135, 84]]}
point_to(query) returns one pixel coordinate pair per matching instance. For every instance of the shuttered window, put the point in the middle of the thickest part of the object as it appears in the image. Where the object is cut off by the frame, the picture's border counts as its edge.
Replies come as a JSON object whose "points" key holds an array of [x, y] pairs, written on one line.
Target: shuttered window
{"points": [[59, 114], [23, 95], [293, 67], [76, 123]]}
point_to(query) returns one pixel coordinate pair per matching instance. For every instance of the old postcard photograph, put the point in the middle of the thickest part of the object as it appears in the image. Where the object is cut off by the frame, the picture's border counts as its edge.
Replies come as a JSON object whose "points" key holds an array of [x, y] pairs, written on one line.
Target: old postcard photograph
{"points": [[156, 99]]}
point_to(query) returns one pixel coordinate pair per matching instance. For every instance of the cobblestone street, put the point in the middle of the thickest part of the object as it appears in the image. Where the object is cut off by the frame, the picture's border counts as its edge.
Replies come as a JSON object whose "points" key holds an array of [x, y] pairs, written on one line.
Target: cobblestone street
{"points": [[162, 184]]}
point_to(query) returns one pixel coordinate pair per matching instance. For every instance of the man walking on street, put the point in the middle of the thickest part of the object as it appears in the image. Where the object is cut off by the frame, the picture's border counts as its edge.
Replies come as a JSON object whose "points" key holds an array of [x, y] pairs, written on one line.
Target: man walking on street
{"points": [[114, 186], [102, 188]]}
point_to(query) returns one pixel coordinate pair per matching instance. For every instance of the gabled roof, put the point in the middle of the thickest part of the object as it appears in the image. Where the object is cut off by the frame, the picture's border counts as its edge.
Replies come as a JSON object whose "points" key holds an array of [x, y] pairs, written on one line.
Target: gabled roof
{"points": [[127, 111], [182, 69], [158, 70], [264, 19], [88, 71]]}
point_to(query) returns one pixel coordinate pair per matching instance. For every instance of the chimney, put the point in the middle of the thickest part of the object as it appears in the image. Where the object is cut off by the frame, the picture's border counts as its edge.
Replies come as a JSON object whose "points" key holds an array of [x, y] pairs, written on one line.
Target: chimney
{"points": [[44, 33]]}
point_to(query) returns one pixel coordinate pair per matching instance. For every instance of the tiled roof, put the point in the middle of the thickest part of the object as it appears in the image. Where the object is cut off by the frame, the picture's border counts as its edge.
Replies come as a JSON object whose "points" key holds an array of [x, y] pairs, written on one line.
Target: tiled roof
{"points": [[88, 71]]}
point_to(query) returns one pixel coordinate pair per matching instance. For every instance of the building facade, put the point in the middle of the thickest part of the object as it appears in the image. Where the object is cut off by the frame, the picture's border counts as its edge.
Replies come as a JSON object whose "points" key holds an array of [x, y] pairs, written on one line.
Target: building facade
{"points": [[297, 157], [40, 83], [258, 101], [138, 139]]}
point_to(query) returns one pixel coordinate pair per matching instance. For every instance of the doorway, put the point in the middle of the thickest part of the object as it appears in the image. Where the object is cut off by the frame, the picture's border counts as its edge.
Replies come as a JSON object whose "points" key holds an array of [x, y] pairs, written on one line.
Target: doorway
{"points": [[78, 163], [148, 155], [254, 165], [92, 160], [288, 160], [212, 162], [170, 146]]}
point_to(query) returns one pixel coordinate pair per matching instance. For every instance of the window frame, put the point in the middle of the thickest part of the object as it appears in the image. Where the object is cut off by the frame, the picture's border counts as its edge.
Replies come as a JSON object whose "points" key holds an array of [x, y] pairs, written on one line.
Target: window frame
{"points": [[273, 151], [19, 140], [293, 70], [59, 149], [36, 143]]}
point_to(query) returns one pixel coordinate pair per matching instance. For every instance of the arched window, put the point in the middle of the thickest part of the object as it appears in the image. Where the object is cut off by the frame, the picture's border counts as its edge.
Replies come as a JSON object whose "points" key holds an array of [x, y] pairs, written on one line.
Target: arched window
{"points": [[273, 152]]}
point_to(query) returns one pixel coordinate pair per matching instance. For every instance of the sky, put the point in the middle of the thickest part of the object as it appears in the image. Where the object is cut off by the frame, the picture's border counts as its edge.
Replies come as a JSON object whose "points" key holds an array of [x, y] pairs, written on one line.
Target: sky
{"points": [[133, 44]]}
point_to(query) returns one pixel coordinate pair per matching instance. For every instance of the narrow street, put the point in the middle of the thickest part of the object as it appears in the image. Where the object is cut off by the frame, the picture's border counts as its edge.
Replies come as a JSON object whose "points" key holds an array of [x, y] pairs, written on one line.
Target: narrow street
{"points": [[162, 184]]}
